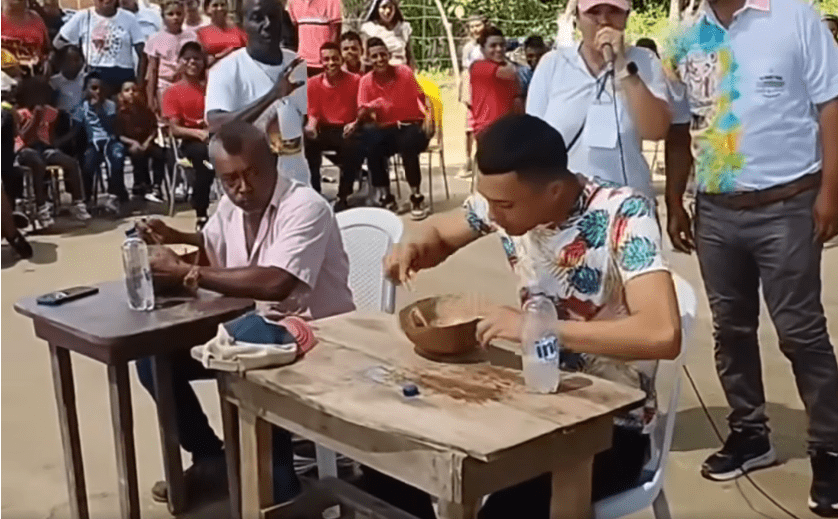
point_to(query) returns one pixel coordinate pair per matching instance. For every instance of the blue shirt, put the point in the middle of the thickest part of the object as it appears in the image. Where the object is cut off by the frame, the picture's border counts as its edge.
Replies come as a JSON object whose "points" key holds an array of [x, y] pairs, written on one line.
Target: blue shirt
{"points": [[98, 120], [524, 77], [753, 90]]}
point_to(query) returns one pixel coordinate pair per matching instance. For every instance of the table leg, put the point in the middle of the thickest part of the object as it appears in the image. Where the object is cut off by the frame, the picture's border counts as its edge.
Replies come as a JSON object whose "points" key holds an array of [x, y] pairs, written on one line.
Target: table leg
{"points": [[65, 398], [169, 437], [256, 464], [452, 510], [123, 431], [571, 497], [230, 422]]}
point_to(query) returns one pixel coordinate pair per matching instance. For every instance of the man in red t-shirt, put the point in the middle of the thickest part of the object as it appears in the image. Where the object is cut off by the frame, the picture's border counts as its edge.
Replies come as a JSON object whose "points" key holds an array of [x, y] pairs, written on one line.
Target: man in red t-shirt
{"points": [[494, 81], [183, 109], [396, 120], [332, 112], [317, 22]]}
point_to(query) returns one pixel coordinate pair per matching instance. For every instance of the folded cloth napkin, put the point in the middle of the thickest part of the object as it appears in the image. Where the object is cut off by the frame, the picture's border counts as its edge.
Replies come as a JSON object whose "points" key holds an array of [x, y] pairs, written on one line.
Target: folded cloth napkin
{"points": [[253, 342]]}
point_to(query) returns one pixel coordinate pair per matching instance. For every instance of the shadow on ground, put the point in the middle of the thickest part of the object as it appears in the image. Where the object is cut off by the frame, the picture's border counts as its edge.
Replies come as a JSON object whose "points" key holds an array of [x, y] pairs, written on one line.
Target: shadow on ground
{"points": [[788, 430], [43, 254]]}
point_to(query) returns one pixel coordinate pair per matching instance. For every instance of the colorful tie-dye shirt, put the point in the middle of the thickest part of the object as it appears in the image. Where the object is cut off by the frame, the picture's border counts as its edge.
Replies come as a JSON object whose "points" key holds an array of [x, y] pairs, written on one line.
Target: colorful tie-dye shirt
{"points": [[611, 236], [751, 88]]}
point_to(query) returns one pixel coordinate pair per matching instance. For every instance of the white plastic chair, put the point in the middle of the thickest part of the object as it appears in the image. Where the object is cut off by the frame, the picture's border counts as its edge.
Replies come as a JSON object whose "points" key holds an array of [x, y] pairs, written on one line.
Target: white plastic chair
{"points": [[368, 234], [650, 492]]}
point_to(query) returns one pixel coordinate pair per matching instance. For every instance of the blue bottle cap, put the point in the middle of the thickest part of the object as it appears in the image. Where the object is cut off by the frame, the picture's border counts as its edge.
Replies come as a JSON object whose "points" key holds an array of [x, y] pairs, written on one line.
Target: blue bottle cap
{"points": [[410, 390]]}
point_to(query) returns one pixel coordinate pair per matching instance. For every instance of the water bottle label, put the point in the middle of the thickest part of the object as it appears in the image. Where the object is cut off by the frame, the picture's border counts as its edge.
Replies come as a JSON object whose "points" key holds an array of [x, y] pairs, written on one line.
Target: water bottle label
{"points": [[547, 348]]}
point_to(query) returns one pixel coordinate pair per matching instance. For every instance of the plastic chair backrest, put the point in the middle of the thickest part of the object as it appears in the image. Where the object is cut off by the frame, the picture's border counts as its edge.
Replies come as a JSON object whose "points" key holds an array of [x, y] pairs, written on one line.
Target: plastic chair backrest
{"points": [[368, 234], [432, 92], [668, 377]]}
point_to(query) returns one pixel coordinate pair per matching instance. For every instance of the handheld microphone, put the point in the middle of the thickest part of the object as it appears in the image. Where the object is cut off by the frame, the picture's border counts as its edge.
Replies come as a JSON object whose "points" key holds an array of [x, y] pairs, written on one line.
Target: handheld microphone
{"points": [[608, 53]]}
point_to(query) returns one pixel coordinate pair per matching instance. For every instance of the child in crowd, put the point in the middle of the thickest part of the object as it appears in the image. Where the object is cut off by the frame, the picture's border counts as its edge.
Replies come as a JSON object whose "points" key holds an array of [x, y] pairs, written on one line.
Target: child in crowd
{"points": [[69, 82], [495, 88], [471, 53], [162, 50], [136, 126], [351, 51], [183, 109], [534, 49], [195, 17], [385, 21], [96, 115], [37, 147], [220, 37]]}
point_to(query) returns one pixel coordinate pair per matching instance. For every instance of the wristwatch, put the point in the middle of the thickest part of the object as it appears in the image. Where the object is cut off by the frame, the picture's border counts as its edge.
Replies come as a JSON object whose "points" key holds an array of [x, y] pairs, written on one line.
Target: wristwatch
{"points": [[629, 71]]}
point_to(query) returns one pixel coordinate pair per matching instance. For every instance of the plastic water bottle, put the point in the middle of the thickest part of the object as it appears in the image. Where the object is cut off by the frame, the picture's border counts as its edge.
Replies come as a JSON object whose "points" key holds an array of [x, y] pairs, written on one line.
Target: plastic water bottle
{"points": [[540, 346], [137, 272]]}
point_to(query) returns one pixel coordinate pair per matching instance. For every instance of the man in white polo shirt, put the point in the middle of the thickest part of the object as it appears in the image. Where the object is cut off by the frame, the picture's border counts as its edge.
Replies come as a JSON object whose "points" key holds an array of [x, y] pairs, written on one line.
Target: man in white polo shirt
{"points": [[263, 84], [762, 85]]}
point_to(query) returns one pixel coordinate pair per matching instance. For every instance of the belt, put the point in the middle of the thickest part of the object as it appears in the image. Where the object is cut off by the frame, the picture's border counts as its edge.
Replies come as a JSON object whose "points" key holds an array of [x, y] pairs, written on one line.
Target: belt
{"points": [[763, 197]]}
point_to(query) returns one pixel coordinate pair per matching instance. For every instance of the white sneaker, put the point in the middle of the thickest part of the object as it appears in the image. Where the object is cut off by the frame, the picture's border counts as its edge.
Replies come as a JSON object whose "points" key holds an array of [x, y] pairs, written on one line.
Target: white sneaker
{"points": [[79, 211], [112, 204], [180, 193], [44, 217]]}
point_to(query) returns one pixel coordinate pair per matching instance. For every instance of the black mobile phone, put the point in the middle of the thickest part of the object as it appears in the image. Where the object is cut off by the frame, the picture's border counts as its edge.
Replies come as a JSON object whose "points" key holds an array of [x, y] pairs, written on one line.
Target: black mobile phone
{"points": [[60, 297]]}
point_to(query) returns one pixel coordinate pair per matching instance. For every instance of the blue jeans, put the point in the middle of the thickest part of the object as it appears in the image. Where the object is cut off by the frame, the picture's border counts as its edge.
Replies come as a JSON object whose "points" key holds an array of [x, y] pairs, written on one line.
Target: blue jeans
{"points": [[113, 152], [197, 436]]}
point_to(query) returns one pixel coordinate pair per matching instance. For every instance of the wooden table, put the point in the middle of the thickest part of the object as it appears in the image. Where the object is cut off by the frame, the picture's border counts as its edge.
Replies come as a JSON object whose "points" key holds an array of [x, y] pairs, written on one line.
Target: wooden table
{"points": [[103, 328], [473, 429]]}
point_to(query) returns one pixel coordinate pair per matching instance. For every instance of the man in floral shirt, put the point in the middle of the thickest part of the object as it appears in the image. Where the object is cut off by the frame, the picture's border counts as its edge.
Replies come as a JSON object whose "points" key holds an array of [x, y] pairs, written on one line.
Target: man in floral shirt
{"points": [[594, 250]]}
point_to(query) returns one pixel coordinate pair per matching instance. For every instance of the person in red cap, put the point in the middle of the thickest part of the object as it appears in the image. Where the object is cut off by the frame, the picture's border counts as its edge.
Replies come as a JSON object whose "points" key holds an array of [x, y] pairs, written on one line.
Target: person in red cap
{"points": [[604, 97]]}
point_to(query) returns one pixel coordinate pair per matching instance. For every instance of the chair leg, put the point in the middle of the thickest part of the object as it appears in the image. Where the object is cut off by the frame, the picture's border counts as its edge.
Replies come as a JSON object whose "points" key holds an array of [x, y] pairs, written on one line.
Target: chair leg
{"points": [[661, 506], [396, 170], [431, 180], [444, 173]]}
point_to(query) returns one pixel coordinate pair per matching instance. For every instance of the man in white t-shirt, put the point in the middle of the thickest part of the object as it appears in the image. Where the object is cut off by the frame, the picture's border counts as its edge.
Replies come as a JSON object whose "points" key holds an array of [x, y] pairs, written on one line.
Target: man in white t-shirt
{"points": [[108, 37], [261, 84]]}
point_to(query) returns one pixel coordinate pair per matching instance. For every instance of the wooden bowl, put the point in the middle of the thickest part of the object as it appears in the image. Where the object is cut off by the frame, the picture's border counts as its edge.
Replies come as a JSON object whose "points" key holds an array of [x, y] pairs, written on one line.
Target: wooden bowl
{"points": [[442, 325]]}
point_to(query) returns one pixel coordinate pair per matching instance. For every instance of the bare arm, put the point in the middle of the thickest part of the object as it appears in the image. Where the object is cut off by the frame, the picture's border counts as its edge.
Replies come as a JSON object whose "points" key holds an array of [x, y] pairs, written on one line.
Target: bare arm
{"points": [[678, 161], [826, 206], [507, 71], [188, 133], [151, 83], [218, 118], [650, 114], [651, 331], [259, 283], [411, 60]]}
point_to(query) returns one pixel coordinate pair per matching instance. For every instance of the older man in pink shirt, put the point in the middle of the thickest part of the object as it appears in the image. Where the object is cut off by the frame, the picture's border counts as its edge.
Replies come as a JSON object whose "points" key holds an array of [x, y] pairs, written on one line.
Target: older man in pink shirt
{"points": [[271, 239]]}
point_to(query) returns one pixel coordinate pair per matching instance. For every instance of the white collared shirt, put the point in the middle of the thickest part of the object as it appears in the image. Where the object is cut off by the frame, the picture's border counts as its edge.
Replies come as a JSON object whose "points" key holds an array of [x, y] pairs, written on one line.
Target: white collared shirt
{"points": [[562, 90], [753, 89], [299, 234]]}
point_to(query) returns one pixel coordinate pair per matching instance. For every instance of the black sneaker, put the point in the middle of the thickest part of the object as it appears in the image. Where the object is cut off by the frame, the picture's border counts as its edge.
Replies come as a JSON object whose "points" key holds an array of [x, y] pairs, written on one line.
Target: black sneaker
{"points": [[340, 205], [418, 209], [388, 202], [823, 497], [205, 477], [21, 246], [743, 452]]}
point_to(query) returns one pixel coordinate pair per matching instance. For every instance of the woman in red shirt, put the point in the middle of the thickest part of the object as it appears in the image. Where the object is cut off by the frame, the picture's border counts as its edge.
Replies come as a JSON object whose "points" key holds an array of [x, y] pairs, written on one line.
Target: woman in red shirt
{"points": [[183, 109], [220, 37], [395, 119], [24, 35]]}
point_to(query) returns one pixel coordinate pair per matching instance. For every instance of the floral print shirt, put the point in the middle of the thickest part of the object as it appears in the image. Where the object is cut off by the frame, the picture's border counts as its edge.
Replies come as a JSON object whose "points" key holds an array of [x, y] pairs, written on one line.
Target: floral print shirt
{"points": [[611, 236]]}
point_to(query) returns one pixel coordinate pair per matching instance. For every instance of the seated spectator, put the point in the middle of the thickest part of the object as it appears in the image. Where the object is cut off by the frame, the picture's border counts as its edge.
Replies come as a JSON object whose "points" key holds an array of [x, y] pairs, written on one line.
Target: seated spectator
{"points": [[494, 82], [392, 108], [351, 50], [25, 35], [37, 147], [162, 50], [316, 23], [295, 266], [136, 127], [183, 110], [96, 115], [621, 310], [534, 49], [332, 111], [220, 37], [148, 19], [264, 84], [195, 16], [108, 37], [69, 82]]}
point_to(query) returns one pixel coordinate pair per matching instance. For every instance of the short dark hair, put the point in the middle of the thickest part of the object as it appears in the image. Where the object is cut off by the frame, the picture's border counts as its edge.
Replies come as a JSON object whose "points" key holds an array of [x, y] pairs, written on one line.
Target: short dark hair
{"points": [[90, 77], [534, 42], [351, 35], [375, 41], [233, 135], [647, 43], [487, 33], [330, 45], [193, 46], [61, 55], [524, 144]]}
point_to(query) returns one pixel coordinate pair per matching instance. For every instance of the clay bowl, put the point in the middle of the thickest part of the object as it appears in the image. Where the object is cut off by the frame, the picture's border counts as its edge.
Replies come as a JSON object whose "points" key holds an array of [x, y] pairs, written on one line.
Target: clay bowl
{"points": [[442, 325]]}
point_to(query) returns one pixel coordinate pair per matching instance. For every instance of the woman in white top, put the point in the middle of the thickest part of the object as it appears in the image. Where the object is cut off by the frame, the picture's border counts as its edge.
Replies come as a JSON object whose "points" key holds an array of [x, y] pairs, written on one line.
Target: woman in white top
{"points": [[574, 89], [384, 20]]}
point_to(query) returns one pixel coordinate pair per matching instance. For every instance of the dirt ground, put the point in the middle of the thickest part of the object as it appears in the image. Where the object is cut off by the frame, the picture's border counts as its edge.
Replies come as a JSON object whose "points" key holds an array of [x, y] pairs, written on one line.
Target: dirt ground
{"points": [[33, 483]]}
